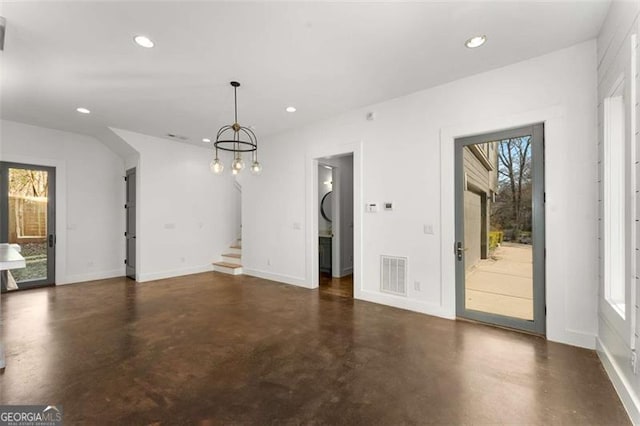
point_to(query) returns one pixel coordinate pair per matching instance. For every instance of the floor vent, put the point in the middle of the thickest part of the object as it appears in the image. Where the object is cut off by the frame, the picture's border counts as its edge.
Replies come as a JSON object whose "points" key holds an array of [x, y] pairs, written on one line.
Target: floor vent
{"points": [[393, 275]]}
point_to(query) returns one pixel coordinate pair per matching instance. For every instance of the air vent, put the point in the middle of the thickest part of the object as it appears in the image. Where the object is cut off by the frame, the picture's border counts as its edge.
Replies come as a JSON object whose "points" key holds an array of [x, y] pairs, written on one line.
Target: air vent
{"points": [[180, 137], [393, 275]]}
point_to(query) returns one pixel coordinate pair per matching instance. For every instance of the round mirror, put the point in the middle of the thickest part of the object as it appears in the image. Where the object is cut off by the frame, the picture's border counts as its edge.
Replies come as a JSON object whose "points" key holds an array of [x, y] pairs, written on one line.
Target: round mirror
{"points": [[325, 206]]}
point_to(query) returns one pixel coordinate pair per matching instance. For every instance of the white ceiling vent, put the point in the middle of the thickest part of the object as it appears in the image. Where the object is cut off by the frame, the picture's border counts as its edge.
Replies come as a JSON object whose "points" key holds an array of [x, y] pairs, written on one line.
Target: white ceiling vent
{"points": [[393, 275]]}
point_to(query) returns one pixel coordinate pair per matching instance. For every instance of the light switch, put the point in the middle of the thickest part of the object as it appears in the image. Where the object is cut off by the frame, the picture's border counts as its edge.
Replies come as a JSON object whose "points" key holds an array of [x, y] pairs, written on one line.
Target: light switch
{"points": [[428, 229], [372, 207]]}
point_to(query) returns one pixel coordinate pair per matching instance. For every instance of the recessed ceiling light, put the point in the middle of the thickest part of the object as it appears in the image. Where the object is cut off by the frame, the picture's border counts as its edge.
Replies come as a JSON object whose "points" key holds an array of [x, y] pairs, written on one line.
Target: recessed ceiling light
{"points": [[291, 109], [83, 110], [476, 41], [206, 140], [143, 41]]}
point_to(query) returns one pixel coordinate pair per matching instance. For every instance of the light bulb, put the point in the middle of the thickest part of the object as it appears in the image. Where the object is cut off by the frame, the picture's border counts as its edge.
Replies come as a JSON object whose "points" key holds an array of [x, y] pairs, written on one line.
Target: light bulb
{"points": [[144, 41], [234, 171], [238, 164], [476, 41], [256, 168], [216, 166]]}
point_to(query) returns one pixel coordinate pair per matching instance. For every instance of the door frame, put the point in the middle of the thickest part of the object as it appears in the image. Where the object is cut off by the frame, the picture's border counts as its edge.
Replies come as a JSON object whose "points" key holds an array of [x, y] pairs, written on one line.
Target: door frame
{"points": [[313, 159], [51, 216], [128, 174], [538, 325]]}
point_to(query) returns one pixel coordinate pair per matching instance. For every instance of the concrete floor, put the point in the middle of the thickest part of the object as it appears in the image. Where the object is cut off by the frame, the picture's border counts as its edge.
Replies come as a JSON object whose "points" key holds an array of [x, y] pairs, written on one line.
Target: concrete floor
{"points": [[503, 284], [218, 349], [336, 286]]}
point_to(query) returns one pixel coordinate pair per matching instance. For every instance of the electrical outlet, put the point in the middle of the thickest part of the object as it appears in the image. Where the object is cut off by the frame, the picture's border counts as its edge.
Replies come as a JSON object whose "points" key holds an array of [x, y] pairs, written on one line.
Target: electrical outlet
{"points": [[416, 285], [634, 362], [268, 262]]}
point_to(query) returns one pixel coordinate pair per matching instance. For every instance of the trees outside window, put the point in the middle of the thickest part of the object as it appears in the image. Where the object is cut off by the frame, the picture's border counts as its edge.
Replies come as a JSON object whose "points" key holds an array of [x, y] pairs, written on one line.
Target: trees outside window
{"points": [[512, 210]]}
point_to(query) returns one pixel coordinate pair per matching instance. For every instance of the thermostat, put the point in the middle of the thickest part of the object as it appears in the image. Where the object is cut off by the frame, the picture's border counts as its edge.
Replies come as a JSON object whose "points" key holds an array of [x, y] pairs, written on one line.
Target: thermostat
{"points": [[388, 205]]}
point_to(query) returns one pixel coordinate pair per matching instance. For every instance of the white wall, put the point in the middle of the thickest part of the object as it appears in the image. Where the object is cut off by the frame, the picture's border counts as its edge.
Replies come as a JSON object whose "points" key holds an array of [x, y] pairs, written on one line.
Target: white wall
{"points": [[90, 197], [324, 175], [237, 209], [185, 212], [617, 337], [406, 156]]}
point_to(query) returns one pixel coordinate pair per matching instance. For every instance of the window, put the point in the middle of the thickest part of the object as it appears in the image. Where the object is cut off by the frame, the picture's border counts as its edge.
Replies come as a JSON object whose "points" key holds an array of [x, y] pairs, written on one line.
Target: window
{"points": [[614, 199]]}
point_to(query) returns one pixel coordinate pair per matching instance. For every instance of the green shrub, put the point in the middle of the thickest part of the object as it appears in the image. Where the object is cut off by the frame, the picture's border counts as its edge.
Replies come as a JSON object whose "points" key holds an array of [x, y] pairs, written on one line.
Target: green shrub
{"points": [[495, 239]]}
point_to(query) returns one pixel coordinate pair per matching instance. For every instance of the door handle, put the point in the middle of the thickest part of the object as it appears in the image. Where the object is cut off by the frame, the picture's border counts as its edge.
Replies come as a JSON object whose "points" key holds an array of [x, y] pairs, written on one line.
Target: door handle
{"points": [[52, 240], [459, 250]]}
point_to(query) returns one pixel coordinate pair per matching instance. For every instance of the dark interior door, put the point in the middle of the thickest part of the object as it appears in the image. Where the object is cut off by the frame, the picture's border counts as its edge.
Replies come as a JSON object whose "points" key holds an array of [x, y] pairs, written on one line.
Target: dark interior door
{"points": [[130, 234]]}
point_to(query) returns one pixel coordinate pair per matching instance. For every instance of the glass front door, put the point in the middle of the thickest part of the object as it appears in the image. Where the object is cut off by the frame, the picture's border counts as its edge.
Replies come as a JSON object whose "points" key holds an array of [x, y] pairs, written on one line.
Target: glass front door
{"points": [[500, 228], [27, 198]]}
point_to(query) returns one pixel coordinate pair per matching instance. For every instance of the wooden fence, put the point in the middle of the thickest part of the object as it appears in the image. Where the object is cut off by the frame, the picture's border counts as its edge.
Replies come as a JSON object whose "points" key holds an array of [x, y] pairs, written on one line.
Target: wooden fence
{"points": [[27, 219]]}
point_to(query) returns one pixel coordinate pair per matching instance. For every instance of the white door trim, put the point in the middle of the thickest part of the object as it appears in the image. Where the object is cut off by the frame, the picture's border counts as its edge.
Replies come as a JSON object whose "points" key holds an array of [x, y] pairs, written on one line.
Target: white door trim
{"points": [[553, 118], [312, 209]]}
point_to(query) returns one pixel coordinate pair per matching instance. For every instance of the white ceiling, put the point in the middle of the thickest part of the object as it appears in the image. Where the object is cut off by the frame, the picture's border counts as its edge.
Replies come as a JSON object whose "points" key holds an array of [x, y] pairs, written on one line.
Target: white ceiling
{"points": [[323, 58]]}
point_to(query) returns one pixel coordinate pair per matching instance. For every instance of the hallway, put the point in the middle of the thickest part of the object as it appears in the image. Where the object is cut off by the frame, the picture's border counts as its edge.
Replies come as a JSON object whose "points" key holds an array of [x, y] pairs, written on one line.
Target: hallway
{"points": [[336, 286]]}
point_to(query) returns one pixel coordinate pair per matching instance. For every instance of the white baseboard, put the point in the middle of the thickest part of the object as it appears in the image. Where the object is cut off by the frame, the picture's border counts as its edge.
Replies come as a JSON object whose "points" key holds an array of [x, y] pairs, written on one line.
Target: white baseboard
{"points": [[408, 304], [80, 278], [380, 298], [287, 279], [625, 391], [573, 338], [346, 271], [144, 277]]}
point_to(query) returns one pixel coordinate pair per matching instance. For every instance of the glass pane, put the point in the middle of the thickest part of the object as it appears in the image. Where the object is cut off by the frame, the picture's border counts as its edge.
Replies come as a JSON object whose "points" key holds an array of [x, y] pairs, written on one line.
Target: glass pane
{"points": [[28, 200], [497, 228]]}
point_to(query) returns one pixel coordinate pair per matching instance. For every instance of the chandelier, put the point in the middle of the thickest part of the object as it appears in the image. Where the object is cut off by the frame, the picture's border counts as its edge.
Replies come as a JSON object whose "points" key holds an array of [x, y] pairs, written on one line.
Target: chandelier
{"points": [[237, 139]]}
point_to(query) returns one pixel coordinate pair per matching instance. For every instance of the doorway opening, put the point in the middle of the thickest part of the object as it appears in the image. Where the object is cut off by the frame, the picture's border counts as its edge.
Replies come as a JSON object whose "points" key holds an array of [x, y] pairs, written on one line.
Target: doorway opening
{"points": [[28, 205], [500, 268], [335, 225]]}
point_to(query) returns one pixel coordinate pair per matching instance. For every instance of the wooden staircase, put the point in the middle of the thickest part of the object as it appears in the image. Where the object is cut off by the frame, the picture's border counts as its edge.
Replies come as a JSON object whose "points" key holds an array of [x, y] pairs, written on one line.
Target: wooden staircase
{"points": [[231, 261]]}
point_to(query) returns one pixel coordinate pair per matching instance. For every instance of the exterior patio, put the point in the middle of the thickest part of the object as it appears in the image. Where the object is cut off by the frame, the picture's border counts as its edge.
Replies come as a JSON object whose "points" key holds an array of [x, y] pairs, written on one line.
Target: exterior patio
{"points": [[502, 284]]}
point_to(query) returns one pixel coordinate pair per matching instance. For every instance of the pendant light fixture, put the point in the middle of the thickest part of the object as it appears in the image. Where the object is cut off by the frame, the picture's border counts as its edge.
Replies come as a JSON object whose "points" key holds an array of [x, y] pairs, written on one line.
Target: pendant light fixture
{"points": [[236, 139]]}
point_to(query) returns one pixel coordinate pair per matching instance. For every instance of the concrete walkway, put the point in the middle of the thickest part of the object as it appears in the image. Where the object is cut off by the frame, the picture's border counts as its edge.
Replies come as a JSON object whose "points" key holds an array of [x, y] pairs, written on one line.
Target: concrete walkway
{"points": [[503, 284]]}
